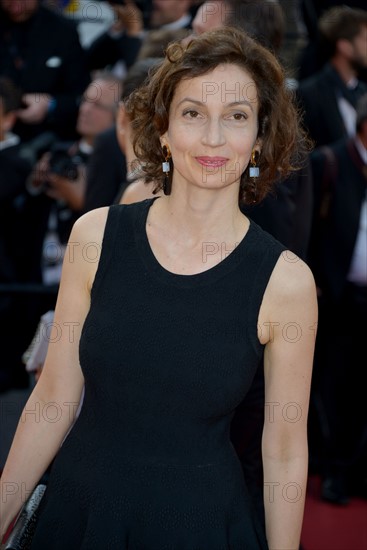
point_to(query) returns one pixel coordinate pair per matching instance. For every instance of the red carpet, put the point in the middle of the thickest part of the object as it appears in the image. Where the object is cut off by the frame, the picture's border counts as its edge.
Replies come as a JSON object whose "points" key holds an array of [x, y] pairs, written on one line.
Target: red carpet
{"points": [[331, 527]]}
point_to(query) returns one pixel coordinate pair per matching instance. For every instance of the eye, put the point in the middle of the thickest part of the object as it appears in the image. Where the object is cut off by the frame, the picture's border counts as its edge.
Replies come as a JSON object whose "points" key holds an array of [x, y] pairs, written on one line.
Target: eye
{"points": [[190, 113], [239, 116]]}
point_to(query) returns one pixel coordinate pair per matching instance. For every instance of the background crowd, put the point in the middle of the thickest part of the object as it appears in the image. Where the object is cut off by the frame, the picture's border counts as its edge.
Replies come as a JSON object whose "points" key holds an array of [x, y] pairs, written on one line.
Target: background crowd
{"points": [[65, 148]]}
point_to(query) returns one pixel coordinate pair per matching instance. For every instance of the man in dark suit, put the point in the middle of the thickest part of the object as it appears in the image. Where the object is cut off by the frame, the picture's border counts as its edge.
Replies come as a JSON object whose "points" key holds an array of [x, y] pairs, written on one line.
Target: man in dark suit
{"points": [[40, 51], [58, 184], [329, 97], [312, 55], [13, 174], [48, 210], [338, 258]]}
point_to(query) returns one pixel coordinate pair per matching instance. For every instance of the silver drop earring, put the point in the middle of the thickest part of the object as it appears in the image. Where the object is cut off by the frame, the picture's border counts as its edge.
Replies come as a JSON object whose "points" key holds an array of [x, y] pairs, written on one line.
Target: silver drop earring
{"points": [[254, 170]]}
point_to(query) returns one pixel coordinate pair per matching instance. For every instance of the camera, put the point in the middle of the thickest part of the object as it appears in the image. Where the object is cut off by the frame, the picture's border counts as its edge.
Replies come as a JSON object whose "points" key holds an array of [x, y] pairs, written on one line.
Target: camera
{"points": [[61, 163]]}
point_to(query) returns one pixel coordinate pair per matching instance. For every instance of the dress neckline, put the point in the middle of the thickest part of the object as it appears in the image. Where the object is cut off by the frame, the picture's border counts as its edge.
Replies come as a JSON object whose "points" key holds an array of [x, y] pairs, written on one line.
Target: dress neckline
{"points": [[226, 265]]}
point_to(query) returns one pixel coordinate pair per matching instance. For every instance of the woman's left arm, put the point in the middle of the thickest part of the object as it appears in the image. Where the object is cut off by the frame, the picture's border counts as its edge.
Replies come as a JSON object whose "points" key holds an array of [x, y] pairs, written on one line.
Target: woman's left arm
{"points": [[287, 323]]}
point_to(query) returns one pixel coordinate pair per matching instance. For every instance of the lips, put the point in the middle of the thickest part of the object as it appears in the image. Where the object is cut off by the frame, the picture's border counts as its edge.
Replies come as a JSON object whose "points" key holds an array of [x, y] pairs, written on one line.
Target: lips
{"points": [[212, 162]]}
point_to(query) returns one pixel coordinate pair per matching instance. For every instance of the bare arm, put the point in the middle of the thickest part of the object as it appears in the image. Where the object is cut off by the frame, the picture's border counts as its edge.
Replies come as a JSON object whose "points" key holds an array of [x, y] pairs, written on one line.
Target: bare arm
{"points": [[51, 408], [288, 320]]}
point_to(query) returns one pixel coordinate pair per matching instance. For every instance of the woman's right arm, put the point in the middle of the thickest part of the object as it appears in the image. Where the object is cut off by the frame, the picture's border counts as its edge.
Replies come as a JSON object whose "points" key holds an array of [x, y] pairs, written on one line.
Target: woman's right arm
{"points": [[51, 408]]}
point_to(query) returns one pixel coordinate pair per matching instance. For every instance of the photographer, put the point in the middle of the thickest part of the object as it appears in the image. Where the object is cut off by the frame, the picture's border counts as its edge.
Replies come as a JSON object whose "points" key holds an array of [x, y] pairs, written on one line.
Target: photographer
{"points": [[57, 184]]}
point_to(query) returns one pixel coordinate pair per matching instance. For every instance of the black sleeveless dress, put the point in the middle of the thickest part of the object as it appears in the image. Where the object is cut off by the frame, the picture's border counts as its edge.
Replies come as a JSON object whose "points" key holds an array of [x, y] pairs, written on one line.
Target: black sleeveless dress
{"points": [[148, 465]]}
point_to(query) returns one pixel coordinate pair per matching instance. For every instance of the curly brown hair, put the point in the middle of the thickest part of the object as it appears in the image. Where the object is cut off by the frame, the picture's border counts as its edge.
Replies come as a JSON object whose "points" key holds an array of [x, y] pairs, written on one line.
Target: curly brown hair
{"points": [[279, 128]]}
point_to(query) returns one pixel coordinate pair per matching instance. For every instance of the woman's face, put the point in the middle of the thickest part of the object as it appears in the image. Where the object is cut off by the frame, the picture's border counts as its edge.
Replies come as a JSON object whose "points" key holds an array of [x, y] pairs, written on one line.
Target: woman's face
{"points": [[213, 127]]}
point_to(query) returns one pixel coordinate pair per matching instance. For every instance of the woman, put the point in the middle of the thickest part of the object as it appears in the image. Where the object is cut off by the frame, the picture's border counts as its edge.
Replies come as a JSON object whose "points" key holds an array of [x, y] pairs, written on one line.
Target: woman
{"points": [[171, 320]]}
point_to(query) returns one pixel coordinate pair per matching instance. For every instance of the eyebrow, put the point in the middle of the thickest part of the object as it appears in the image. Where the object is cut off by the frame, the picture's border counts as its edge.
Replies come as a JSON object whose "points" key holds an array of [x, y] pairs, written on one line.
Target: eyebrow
{"points": [[232, 104]]}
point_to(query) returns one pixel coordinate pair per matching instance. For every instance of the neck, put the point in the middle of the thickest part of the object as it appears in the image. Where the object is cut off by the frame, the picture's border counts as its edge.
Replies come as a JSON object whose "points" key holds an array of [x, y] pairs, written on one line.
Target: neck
{"points": [[199, 215], [89, 140], [343, 68]]}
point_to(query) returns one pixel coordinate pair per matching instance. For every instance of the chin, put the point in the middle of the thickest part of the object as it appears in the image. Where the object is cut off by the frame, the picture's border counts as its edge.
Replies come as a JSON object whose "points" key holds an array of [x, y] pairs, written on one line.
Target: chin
{"points": [[81, 129]]}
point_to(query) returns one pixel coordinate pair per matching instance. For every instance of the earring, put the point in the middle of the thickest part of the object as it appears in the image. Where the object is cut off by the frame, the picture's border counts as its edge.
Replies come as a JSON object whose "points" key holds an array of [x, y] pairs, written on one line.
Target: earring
{"points": [[166, 168], [167, 155], [254, 170]]}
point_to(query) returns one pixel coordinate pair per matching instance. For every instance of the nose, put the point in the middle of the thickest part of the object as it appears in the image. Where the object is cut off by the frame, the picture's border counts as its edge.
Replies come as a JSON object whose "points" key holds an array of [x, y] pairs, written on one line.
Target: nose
{"points": [[85, 106], [213, 134], [197, 24]]}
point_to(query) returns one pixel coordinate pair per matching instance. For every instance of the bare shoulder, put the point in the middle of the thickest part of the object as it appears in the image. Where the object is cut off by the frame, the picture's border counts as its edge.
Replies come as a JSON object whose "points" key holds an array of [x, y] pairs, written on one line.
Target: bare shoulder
{"points": [[291, 277], [84, 246], [137, 191], [290, 296], [91, 226]]}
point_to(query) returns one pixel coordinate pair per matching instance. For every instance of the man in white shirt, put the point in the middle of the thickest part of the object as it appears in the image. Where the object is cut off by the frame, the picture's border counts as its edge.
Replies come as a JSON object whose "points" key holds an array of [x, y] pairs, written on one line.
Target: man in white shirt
{"points": [[329, 97], [338, 258]]}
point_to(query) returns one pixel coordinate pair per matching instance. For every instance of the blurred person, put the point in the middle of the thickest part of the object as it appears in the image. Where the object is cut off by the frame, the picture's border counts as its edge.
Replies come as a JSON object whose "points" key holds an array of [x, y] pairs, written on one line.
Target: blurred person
{"points": [[171, 14], [40, 51], [328, 100], [160, 390], [261, 19], [118, 47], [66, 6], [60, 175], [106, 171], [115, 143], [135, 77], [100, 191], [121, 43], [136, 188], [51, 201], [329, 97], [13, 174], [13, 168], [313, 56], [157, 40], [338, 258]]}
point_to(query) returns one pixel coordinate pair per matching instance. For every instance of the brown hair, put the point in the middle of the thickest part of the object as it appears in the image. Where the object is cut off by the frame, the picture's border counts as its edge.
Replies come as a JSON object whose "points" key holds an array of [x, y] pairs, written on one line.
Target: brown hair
{"points": [[148, 107], [338, 23]]}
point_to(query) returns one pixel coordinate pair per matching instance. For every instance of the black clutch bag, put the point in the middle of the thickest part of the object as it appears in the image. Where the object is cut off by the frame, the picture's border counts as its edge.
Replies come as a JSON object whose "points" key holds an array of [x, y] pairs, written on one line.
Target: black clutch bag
{"points": [[21, 535]]}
